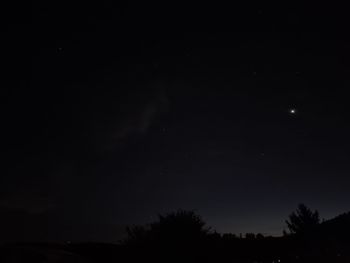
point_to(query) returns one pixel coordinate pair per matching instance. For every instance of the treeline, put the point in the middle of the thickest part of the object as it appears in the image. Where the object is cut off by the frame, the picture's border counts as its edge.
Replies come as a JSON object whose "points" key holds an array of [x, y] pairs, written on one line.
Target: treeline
{"points": [[183, 236], [186, 236]]}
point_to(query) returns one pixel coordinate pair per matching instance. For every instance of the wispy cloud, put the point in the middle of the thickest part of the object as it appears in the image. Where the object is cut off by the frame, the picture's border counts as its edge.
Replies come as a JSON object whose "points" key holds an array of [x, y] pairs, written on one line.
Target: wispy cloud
{"points": [[132, 119]]}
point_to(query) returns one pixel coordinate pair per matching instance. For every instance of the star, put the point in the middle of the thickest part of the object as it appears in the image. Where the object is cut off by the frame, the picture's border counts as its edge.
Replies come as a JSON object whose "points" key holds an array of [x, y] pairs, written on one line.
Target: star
{"points": [[292, 111]]}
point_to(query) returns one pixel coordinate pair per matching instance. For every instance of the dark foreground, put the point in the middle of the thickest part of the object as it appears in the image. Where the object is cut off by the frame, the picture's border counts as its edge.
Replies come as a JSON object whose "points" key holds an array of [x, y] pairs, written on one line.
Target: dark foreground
{"points": [[273, 250]]}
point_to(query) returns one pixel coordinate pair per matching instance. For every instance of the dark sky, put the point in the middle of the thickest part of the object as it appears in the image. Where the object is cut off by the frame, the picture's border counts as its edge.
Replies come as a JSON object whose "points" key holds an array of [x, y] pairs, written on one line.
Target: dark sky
{"points": [[237, 112]]}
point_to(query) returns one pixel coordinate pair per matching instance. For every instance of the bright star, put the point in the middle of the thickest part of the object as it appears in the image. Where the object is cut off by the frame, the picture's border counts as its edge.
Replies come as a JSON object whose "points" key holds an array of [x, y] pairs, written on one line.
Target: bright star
{"points": [[292, 111]]}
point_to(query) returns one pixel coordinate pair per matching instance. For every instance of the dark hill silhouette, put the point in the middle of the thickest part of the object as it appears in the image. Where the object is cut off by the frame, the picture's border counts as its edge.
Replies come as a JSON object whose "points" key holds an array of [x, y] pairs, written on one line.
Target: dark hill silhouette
{"points": [[40, 253], [337, 229]]}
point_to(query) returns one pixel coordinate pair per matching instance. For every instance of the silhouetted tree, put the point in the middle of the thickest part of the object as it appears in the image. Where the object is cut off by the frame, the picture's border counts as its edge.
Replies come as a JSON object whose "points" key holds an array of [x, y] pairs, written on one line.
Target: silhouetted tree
{"points": [[180, 227], [302, 220]]}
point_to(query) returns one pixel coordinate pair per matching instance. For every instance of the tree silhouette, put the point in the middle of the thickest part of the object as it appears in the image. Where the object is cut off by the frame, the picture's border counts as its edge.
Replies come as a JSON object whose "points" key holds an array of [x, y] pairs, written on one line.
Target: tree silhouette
{"points": [[180, 227], [302, 220]]}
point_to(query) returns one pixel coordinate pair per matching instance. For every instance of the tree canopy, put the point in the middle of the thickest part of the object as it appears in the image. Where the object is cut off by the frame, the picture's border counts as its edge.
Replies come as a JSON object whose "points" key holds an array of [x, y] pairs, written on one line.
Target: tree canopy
{"points": [[181, 226], [302, 220]]}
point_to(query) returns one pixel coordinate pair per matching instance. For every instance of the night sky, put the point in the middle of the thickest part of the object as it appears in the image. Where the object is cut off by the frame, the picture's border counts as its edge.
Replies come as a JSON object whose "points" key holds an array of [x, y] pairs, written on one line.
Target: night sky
{"points": [[124, 112]]}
